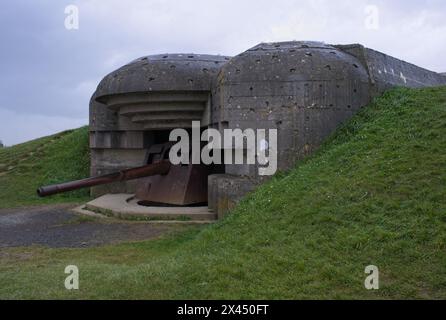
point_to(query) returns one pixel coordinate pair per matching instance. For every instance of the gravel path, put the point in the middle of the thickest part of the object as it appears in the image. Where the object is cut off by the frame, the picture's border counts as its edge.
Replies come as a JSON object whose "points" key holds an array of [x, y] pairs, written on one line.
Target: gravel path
{"points": [[57, 227]]}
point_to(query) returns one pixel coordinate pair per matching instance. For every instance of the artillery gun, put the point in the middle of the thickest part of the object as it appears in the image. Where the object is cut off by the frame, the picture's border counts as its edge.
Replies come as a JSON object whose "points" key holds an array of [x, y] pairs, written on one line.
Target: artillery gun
{"points": [[160, 182]]}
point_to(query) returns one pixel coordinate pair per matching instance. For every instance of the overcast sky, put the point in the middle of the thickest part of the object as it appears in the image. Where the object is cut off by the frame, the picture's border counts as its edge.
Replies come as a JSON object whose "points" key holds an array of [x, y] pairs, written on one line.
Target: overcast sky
{"points": [[48, 72]]}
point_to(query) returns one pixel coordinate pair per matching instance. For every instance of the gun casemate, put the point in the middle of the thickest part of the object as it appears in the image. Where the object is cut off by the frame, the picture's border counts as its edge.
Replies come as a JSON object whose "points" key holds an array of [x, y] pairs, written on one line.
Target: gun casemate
{"points": [[304, 90]]}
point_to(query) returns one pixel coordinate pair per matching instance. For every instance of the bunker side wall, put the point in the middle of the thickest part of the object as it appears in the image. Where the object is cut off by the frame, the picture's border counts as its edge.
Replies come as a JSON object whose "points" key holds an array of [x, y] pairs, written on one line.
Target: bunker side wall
{"points": [[115, 144], [386, 71]]}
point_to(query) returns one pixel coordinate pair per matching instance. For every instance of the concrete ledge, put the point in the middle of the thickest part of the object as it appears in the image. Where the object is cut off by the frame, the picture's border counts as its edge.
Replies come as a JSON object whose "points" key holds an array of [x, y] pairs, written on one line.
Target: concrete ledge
{"points": [[82, 210], [125, 206]]}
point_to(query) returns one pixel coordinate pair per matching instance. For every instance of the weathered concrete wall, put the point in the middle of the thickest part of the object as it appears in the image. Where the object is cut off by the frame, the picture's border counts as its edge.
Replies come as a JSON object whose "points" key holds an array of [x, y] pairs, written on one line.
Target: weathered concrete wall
{"points": [[133, 104], [224, 191], [302, 89], [110, 135], [386, 72]]}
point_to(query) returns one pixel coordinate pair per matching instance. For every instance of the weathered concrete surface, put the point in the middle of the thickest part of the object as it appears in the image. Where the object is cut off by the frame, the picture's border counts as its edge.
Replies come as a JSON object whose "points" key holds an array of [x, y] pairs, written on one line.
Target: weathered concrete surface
{"points": [[302, 89], [162, 72], [224, 191], [134, 106], [125, 206], [57, 226], [386, 72]]}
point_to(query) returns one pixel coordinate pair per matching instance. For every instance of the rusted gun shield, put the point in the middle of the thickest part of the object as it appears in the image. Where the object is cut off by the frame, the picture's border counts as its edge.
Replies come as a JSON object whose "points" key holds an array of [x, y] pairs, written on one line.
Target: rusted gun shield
{"points": [[182, 185]]}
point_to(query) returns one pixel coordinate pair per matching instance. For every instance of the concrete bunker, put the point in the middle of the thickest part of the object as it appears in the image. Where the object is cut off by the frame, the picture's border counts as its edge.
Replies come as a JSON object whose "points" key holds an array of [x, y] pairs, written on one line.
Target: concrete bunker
{"points": [[305, 90], [132, 113]]}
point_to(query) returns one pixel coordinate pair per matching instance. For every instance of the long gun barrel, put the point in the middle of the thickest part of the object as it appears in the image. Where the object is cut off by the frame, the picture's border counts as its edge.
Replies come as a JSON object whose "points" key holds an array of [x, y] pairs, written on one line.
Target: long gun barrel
{"points": [[158, 168]]}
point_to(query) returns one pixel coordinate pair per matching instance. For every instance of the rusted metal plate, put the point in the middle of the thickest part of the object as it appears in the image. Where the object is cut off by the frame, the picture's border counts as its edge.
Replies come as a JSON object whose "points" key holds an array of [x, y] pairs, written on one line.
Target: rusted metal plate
{"points": [[182, 185]]}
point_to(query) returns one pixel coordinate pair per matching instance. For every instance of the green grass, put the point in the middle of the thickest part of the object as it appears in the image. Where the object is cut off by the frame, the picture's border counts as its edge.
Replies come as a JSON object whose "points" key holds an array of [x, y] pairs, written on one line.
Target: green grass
{"points": [[374, 194], [58, 158]]}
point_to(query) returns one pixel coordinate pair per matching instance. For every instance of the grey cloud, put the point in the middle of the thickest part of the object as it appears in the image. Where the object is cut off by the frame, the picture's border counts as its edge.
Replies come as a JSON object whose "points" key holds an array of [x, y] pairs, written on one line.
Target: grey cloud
{"points": [[49, 72]]}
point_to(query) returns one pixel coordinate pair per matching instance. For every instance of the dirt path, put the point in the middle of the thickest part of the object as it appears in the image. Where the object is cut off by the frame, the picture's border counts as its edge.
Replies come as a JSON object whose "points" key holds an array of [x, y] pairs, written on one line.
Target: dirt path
{"points": [[56, 226]]}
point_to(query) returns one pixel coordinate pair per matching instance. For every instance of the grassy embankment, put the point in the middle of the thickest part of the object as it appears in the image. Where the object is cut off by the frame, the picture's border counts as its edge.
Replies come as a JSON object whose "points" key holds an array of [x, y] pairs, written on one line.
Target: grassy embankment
{"points": [[375, 193], [54, 159]]}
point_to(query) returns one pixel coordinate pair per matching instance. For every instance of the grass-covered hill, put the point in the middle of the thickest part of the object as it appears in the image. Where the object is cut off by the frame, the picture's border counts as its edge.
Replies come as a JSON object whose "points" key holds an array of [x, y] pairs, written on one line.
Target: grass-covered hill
{"points": [[58, 158], [375, 194]]}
